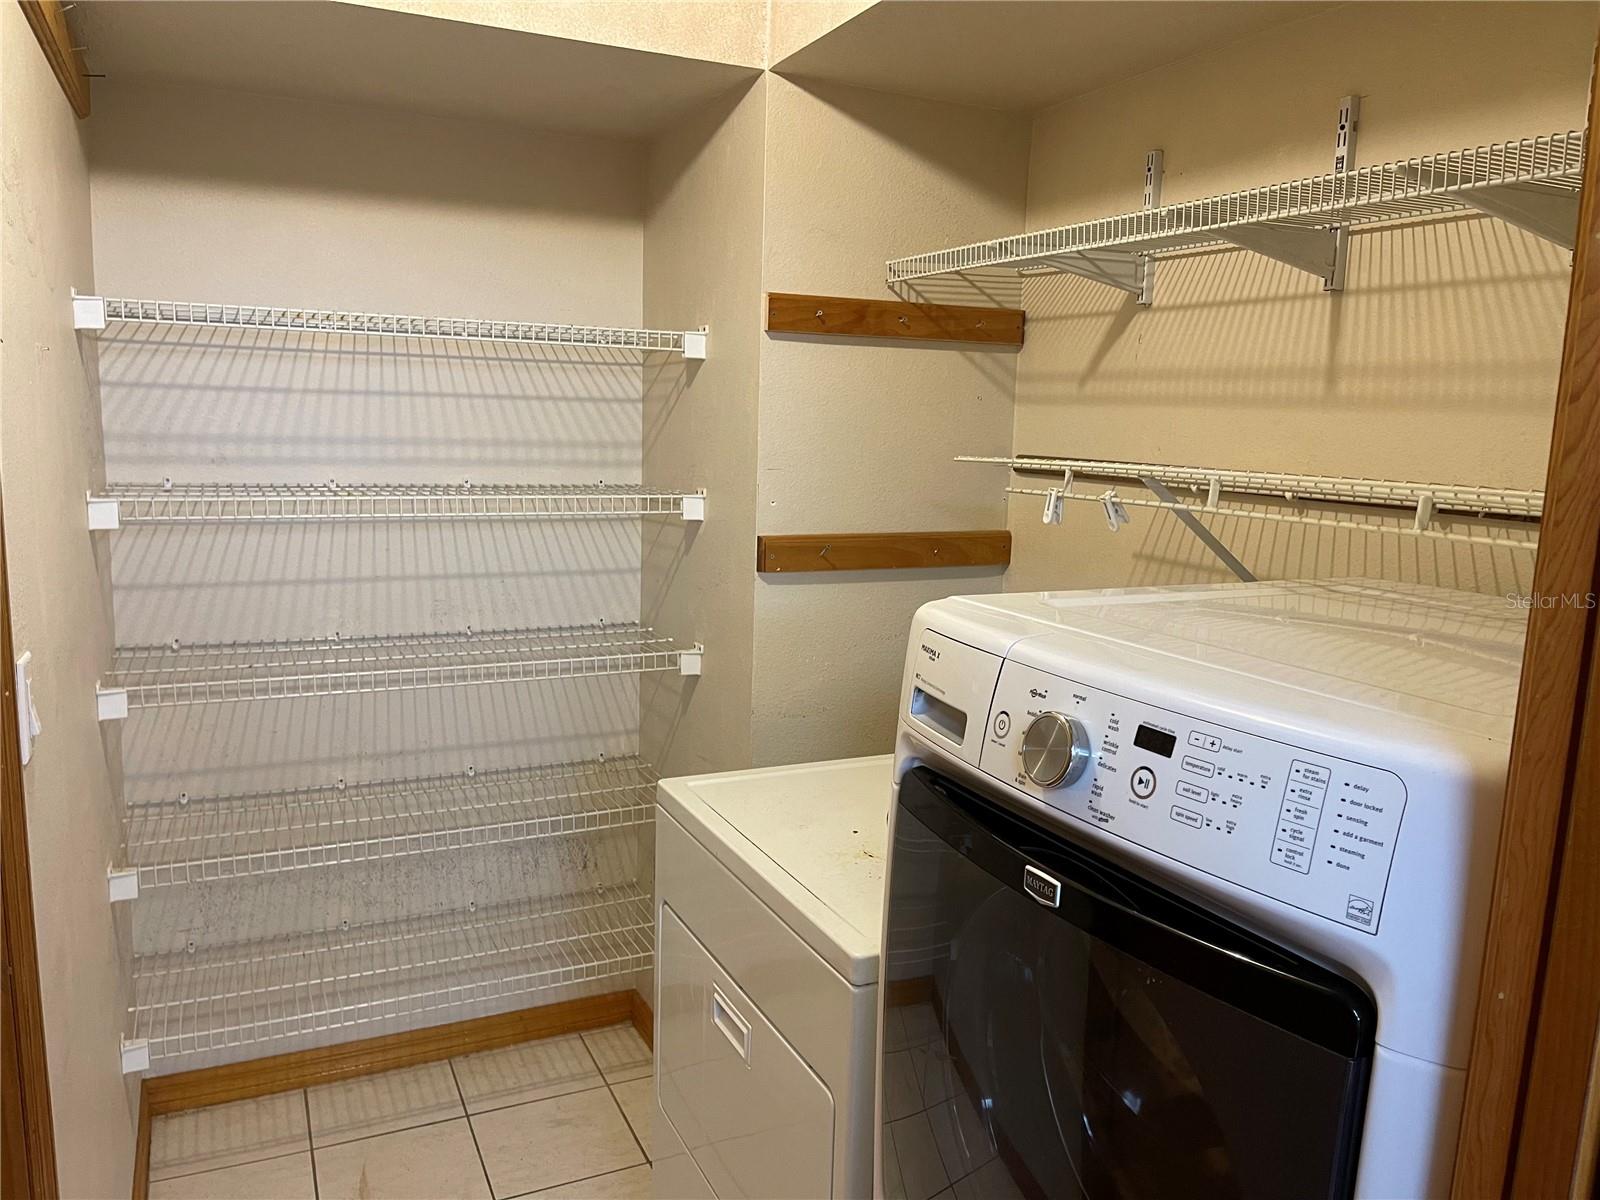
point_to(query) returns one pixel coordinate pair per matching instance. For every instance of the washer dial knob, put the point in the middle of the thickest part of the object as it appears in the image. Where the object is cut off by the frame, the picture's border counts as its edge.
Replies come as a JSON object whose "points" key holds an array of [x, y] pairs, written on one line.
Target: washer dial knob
{"points": [[1055, 750]]}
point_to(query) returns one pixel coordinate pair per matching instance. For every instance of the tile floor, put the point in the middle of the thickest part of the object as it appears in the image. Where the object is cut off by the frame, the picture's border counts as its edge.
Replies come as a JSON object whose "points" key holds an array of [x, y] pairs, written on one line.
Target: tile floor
{"points": [[565, 1117]]}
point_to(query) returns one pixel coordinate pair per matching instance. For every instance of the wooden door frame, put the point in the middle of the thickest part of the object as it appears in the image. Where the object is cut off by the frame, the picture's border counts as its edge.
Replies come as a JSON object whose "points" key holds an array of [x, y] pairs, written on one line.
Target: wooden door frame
{"points": [[1528, 1125], [37, 1143]]}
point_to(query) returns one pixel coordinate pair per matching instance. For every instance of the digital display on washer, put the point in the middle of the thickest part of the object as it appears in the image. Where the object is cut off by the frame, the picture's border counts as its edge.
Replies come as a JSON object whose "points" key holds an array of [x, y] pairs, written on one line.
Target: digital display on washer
{"points": [[1154, 740]]}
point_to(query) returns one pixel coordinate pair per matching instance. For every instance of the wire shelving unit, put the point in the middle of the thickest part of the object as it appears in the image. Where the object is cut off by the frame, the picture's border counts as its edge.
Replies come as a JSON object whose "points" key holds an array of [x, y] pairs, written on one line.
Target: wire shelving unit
{"points": [[224, 672], [92, 313], [1211, 488], [411, 971], [205, 839], [241, 503], [1531, 182]]}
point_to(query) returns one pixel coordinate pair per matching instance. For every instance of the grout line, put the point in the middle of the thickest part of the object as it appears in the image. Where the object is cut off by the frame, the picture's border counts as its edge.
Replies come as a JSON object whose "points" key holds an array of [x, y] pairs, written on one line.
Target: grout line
{"points": [[631, 1130], [316, 1193], [483, 1112], [472, 1129], [585, 1179], [367, 1137], [226, 1166]]}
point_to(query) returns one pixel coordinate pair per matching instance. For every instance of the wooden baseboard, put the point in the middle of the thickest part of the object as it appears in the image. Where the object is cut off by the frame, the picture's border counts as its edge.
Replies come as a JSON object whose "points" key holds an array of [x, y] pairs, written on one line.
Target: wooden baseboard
{"points": [[369, 1056], [644, 1020]]}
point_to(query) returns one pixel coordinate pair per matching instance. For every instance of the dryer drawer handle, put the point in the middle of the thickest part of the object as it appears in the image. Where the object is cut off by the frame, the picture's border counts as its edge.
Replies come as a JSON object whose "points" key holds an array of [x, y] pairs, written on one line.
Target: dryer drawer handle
{"points": [[734, 1027]]}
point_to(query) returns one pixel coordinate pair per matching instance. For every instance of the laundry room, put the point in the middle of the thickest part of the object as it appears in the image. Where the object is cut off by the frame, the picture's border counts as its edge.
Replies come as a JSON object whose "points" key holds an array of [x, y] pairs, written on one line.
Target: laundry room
{"points": [[925, 599]]}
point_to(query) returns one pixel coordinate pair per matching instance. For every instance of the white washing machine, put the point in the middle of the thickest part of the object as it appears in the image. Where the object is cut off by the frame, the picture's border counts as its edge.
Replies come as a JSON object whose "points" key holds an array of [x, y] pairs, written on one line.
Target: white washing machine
{"points": [[1187, 889], [769, 909]]}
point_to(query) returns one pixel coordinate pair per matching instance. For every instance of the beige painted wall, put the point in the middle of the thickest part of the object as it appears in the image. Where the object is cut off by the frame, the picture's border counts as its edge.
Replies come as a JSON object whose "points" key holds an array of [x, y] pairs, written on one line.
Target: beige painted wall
{"points": [[730, 31], [50, 456], [702, 265], [1438, 362], [858, 436]]}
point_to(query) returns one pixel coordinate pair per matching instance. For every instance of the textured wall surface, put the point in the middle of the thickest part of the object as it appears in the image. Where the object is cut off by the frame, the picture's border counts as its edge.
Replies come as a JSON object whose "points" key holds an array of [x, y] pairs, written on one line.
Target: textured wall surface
{"points": [[856, 435], [1438, 362], [702, 265], [50, 456]]}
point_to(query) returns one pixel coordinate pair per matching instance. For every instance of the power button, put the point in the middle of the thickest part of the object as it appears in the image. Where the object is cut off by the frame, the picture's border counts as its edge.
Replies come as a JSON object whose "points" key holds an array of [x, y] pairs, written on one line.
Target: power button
{"points": [[1002, 724]]}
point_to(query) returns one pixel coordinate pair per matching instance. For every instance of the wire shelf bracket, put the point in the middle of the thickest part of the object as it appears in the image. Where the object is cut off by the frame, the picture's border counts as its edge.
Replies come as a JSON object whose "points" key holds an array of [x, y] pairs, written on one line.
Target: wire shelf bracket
{"points": [[122, 883], [167, 503], [92, 314], [1532, 182], [223, 672]]}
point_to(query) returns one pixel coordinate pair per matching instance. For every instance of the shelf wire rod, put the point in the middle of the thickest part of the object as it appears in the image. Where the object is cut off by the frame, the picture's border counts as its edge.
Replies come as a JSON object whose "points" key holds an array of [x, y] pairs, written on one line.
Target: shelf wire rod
{"points": [[1350, 526]]}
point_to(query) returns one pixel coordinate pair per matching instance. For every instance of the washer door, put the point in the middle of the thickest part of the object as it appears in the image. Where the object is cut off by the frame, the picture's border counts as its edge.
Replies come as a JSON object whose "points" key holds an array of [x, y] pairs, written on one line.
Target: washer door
{"points": [[1057, 1026]]}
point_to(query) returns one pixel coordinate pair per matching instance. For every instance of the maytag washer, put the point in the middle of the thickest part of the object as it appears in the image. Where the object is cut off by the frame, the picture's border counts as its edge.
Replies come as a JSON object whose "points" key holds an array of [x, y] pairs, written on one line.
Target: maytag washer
{"points": [[1187, 889]]}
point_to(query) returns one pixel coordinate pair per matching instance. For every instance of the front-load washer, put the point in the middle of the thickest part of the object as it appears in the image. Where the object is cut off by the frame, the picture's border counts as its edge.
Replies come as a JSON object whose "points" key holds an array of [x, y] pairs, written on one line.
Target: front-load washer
{"points": [[769, 907], [1187, 889]]}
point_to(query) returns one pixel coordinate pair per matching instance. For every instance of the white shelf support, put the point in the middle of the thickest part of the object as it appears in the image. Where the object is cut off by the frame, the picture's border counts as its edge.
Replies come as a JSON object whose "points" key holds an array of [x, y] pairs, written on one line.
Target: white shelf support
{"points": [[695, 342], [1314, 251], [694, 507], [88, 312], [1344, 161], [1551, 215], [103, 512], [111, 703], [1155, 173], [691, 662], [135, 1055], [122, 883], [1114, 268]]}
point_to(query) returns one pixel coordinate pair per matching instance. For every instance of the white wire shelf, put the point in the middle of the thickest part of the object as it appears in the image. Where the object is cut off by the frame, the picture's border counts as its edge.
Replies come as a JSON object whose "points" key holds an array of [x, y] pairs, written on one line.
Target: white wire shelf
{"points": [[205, 839], [234, 503], [97, 312], [222, 672], [1532, 182], [1468, 499], [256, 993], [1351, 525]]}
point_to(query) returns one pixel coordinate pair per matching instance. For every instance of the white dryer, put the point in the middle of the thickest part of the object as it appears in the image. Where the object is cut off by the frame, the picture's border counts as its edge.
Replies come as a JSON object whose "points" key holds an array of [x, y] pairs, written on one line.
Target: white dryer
{"points": [[1187, 889], [769, 903]]}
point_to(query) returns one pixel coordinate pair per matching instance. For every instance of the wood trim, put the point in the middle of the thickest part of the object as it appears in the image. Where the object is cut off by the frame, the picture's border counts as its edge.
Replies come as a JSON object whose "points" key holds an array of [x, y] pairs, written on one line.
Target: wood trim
{"points": [[21, 946], [49, 22], [794, 553], [1497, 1142], [368, 1056], [141, 1150], [845, 316], [1548, 1159], [644, 1020]]}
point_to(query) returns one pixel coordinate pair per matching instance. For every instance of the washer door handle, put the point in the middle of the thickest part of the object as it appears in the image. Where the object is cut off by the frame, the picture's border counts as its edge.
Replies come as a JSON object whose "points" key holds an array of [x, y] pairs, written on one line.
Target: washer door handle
{"points": [[734, 1027]]}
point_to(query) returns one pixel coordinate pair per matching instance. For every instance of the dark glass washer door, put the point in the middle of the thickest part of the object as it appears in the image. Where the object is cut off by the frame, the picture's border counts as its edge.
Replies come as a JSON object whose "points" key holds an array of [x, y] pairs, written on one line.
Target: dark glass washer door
{"points": [[1126, 1043]]}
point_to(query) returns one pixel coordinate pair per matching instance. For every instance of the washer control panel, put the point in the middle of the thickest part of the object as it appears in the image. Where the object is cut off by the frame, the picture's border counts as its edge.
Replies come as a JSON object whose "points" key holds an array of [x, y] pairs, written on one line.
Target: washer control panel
{"points": [[1309, 829]]}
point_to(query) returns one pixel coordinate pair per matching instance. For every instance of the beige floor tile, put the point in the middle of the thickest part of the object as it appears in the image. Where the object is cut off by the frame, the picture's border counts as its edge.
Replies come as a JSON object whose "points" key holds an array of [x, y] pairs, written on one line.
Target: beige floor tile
{"points": [[638, 1100], [531, 1071], [922, 1171], [632, 1184], [435, 1162], [286, 1178], [373, 1104], [550, 1142], [620, 1053], [225, 1135]]}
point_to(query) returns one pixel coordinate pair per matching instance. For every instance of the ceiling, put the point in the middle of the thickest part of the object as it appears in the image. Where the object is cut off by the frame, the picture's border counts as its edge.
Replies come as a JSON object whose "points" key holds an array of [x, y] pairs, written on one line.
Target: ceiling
{"points": [[1023, 55], [354, 54]]}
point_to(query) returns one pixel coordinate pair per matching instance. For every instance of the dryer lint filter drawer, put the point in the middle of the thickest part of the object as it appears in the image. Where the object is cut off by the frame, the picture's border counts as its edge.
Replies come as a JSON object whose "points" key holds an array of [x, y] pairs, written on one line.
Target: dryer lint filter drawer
{"points": [[757, 1121]]}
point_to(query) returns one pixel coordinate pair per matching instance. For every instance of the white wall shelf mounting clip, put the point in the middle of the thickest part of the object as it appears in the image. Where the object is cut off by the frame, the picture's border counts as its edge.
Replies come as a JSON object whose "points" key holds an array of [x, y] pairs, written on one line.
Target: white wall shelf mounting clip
{"points": [[111, 703], [135, 1055], [122, 883], [692, 662]]}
